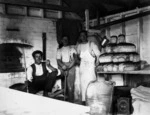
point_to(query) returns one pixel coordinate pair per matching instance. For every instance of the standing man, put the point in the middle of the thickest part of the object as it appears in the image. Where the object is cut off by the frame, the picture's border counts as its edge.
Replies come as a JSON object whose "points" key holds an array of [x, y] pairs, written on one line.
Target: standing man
{"points": [[41, 75], [66, 63], [89, 56]]}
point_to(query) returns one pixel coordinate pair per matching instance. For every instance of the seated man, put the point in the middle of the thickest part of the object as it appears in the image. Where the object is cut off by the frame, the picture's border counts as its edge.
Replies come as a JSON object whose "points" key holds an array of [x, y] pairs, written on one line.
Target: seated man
{"points": [[41, 75]]}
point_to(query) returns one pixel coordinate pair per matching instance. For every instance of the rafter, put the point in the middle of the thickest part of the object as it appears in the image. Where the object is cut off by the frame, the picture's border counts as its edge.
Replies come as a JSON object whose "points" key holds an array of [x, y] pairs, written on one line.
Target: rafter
{"points": [[37, 5], [122, 20]]}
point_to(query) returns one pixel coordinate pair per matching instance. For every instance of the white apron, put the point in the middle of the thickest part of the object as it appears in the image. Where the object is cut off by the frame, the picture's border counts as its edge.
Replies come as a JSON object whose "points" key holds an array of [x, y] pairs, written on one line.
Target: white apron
{"points": [[86, 70]]}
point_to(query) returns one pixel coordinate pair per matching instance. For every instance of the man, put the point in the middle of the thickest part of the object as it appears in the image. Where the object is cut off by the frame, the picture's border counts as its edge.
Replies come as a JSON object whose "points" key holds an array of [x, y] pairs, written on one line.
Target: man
{"points": [[89, 55], [66, 63], [41, 75]]}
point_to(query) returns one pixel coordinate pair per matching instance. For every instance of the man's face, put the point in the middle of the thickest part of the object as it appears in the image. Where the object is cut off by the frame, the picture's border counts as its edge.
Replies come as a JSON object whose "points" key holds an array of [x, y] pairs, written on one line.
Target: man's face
{"points": [[65, 41], [83, 37], [38, 58]]}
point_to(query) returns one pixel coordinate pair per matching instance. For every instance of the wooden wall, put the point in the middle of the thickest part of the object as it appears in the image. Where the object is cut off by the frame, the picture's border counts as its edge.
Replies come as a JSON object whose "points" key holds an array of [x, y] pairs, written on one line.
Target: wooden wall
{"points": [[137, 32]]}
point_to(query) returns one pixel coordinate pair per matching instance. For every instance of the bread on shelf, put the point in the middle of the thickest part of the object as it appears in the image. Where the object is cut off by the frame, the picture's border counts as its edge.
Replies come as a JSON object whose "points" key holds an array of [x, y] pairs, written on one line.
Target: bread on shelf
{"points": [[121, 38], [119, 67], [119, 57], [104, 58], [124, 47]]}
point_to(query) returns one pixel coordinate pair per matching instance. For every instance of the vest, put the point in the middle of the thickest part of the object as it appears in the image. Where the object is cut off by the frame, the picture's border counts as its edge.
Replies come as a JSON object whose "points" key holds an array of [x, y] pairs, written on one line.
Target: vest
{"points": [[34, 70]]}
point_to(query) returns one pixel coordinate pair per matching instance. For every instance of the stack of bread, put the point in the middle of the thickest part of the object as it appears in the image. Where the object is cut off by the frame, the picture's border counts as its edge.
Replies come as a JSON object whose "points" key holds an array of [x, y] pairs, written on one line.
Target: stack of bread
{"points": [[119, 56]]}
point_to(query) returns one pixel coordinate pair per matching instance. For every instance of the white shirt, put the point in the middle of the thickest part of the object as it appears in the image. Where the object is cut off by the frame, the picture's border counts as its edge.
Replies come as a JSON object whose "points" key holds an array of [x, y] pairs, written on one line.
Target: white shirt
{"points": [[38, 72], [66, 53]]}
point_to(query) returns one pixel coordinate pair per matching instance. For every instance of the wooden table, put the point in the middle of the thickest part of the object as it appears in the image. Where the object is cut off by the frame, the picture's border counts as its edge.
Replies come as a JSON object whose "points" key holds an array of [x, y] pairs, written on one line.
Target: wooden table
{"points": [[14, 102]]}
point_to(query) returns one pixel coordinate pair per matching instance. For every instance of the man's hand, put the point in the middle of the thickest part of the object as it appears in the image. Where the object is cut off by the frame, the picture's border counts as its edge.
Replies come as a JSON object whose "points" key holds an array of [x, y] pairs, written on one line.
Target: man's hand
{"points": [[64, 67], [48, 62]]}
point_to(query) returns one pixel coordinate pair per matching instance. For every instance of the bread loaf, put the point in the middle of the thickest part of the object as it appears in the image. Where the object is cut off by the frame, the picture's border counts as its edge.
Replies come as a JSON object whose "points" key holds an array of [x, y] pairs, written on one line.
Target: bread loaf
{"points": [[121, 39], [119, 67], [105, 68], [124, 47], [105, 58], [115, 68], [110, 67], [127, 67], [113, 39], [120, 57], [134, 57], [109, 48]]}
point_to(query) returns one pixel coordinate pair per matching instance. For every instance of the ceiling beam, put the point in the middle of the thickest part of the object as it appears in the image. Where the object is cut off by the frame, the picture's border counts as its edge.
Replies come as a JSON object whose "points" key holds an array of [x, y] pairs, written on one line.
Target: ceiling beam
{"points": [[36, 5], [121, 20]]}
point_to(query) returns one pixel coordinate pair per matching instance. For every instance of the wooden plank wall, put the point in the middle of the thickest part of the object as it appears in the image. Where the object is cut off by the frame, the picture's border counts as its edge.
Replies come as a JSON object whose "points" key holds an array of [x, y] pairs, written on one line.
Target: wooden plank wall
{"points": [[137, 32]]}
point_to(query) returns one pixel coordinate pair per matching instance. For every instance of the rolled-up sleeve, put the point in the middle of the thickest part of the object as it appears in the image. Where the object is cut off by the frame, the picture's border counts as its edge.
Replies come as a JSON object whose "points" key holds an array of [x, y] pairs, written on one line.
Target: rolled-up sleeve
{"points": [[58, 55], [29, 74], [95, 49], [78, 48]]}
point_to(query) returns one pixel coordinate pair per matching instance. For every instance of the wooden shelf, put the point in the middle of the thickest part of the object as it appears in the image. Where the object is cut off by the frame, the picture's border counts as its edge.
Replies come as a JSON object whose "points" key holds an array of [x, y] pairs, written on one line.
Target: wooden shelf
{"points": [[127, 72]]}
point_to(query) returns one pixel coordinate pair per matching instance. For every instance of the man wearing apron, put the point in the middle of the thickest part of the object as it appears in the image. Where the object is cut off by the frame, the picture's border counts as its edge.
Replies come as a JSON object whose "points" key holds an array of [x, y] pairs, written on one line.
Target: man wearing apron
{"points": [[89, 56], [66, 63]]}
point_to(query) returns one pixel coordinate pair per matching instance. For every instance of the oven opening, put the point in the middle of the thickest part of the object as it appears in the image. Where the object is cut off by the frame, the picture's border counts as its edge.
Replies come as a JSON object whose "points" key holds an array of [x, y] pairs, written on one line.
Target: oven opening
{"points": [[10, 59]]}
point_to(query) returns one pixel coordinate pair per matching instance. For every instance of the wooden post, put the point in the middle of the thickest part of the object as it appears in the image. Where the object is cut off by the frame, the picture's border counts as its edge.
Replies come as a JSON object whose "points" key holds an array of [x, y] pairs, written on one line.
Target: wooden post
{"points": [[87, 19], [44, 45], [61, 13], [108, 28], [123, 26], [140, 34]]}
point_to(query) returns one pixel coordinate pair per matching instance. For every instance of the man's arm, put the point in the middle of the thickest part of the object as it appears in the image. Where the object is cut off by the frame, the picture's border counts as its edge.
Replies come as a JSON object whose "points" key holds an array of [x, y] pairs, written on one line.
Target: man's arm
{"points": [[50, 66], [96, 52], [29, 74], [61, 65]]}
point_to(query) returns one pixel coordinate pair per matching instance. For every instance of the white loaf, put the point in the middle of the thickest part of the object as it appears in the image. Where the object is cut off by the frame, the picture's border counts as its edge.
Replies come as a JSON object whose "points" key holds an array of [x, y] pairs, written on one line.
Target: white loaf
{"points": [[115, 68], [134, 57], [110, 67], [121, 38], [120, 57], [109, 47], [105, 68], [113, 39], [124, 47], [127, 67], [105, 58]]}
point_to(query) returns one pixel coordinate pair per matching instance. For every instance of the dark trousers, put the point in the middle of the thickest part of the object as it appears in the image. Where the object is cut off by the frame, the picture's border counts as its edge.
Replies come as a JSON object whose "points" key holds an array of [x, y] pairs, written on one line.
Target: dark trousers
{"points": [[45, 83]]}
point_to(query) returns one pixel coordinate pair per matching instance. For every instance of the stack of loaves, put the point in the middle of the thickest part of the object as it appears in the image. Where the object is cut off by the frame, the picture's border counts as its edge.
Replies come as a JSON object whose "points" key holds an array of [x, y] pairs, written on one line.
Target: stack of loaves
{"points": [[119, 56]]}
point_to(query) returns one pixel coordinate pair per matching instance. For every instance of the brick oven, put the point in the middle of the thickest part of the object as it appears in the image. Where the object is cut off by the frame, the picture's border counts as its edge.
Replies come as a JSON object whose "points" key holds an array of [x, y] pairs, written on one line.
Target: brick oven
{"points": [[12, 61]]}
